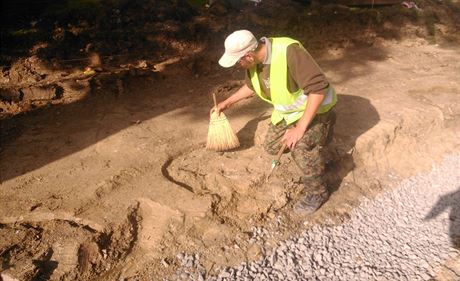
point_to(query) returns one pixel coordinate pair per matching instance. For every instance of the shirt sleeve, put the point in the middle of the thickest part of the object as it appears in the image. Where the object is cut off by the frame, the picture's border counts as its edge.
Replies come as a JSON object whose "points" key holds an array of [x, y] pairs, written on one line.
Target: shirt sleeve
{"points": [[304, 70]]}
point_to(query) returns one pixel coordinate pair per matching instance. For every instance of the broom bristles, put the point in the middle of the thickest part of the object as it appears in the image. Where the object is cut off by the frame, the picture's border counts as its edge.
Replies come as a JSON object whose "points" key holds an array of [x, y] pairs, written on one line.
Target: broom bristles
{"points": [[220, 135]]}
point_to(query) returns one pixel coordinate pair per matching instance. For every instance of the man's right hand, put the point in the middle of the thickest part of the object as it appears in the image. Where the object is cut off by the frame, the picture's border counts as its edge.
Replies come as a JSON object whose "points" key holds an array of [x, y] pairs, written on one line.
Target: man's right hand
{"points": [[243, 93], [219, 108]]}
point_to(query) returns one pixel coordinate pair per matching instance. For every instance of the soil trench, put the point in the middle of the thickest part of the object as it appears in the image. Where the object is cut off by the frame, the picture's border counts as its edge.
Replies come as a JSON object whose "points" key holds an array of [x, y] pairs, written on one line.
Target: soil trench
{"points": [[119, 185]]}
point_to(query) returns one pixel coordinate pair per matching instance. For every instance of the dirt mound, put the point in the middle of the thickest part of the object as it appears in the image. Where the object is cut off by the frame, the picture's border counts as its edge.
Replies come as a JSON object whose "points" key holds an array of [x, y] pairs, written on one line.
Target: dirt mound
{"points": [[238, 183]]}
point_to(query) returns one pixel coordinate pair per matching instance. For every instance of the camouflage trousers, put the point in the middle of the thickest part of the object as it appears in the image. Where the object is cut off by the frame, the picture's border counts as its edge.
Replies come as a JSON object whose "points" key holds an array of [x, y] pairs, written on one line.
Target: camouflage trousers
{"points": [[308, 153]]}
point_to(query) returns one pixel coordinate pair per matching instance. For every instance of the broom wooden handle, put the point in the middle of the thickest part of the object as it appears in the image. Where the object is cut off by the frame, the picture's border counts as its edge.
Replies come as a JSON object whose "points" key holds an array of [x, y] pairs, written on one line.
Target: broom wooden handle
{"points": [[215, 100]]}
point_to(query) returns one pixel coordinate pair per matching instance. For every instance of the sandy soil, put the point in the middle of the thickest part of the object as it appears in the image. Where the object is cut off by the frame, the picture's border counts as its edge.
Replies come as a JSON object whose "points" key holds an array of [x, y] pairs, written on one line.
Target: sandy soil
{"points": [[116, 186]]}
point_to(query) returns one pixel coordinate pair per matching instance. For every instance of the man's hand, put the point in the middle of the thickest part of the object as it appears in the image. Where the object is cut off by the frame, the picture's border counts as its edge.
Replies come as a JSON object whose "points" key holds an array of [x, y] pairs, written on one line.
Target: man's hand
{"points": [[243, 93], [292, 136], [219, 108]]}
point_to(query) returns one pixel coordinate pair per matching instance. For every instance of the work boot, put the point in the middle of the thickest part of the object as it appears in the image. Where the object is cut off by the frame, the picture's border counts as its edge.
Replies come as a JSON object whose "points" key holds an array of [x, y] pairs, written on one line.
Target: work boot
{"points": [[310, 202]]}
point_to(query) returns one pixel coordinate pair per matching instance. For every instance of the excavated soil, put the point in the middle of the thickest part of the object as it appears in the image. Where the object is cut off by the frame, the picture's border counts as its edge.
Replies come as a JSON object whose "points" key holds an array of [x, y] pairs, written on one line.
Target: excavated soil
{"points": [[104, 173]]}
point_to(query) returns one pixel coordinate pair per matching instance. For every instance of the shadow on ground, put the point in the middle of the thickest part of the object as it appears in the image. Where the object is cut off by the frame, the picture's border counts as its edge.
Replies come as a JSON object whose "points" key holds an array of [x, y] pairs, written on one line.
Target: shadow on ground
{"points": [[40, 137], [355, 116], [450, 202]]}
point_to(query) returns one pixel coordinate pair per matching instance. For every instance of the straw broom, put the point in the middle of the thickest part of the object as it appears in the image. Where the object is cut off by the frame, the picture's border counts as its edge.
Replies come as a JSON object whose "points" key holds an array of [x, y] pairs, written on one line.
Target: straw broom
{"points": [[220, 134]]}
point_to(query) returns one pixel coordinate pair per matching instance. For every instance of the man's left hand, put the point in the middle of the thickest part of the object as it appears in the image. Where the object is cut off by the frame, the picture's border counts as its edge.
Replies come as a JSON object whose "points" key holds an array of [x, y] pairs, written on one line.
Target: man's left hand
{"points": [[292, 136]]}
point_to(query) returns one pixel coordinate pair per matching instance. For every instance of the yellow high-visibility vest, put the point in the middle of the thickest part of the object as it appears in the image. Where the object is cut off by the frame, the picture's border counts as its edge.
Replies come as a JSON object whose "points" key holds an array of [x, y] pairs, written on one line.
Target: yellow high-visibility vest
{"points": [[288, 106]]}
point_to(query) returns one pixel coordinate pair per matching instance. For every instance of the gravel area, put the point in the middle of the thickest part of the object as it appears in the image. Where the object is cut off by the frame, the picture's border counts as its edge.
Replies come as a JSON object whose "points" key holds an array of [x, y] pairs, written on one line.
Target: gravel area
{"points": [[406, 233]]}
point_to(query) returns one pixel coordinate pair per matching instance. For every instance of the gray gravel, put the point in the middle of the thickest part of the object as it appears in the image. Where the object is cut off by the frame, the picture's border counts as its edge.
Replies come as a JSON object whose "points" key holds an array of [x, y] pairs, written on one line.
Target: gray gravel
{"points": [[403, 234]]}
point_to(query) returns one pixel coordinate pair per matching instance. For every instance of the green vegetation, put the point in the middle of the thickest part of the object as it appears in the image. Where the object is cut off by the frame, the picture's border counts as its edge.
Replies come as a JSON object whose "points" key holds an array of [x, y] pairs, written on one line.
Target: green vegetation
{"points": [[23, 32]]}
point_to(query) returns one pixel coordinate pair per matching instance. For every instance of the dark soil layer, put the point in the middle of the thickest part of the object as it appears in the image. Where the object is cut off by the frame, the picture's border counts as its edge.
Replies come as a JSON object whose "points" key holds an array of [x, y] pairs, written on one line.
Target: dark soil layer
{"points": [[47, 45]]}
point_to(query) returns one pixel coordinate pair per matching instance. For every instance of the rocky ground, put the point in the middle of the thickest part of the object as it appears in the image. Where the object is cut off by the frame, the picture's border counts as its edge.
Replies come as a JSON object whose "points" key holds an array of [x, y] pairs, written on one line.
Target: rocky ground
{"points": [[409, 233], [104, 174]]}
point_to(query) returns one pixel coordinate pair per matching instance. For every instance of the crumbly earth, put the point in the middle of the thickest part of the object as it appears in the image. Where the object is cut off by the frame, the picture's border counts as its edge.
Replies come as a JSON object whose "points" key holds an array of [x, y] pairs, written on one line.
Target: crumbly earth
{"points": [[104, 174]]}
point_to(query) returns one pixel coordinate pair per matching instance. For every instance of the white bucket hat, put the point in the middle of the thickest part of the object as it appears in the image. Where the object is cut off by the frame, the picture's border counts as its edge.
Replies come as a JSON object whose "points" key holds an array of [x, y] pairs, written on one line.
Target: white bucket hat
{"points": [[237, 45]]}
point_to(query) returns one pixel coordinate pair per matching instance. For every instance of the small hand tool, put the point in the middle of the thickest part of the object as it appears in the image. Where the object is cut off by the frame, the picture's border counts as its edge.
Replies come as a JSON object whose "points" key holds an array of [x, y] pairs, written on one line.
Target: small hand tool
{"points": [[276, 161]]}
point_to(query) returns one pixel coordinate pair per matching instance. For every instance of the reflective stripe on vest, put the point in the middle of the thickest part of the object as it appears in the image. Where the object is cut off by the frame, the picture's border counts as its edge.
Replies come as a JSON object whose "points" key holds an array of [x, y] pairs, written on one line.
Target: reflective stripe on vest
{"points": [[302, 99], [288, 106]]}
